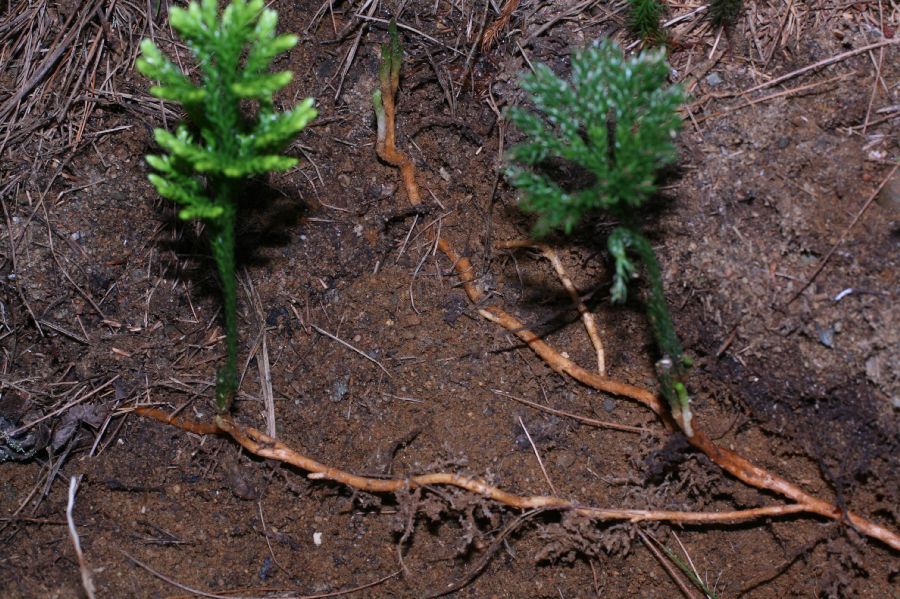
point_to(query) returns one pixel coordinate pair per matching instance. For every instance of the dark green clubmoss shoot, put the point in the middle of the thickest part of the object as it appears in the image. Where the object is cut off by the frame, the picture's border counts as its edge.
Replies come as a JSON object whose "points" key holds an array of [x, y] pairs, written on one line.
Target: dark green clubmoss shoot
{"points": [[210, 158], [617, 118], [725, 13], [643, 20]]}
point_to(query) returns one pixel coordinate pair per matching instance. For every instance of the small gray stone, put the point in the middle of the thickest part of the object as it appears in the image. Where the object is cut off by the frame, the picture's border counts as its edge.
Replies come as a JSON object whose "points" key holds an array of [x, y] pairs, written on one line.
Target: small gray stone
{"points": [[713, 79], [826, 336], [340, 388]]}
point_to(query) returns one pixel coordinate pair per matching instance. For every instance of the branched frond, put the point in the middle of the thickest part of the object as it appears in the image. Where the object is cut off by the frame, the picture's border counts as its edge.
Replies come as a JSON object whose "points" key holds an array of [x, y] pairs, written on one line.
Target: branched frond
{"points": [[232, 146], [616, 118]]}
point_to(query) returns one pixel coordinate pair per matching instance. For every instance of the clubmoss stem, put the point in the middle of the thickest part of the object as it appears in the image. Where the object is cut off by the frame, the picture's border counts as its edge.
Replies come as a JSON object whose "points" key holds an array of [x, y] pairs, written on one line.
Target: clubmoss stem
{"points": [[671, 368], [222, 243]]}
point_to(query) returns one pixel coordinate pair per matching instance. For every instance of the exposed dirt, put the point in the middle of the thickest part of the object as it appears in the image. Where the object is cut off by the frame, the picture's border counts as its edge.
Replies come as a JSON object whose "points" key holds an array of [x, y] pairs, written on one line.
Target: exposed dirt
{"points": [[128, 306]]}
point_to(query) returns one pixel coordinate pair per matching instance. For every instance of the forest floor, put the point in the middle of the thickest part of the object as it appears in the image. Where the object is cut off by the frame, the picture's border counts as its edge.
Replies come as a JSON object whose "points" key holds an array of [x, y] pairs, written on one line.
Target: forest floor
{"points": [[780, 260]]}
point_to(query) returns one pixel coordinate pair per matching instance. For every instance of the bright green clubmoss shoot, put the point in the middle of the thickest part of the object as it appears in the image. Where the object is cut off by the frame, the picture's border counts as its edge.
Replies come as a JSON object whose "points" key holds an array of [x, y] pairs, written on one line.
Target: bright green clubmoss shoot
{"points": [[210, 158], [617, 119]]}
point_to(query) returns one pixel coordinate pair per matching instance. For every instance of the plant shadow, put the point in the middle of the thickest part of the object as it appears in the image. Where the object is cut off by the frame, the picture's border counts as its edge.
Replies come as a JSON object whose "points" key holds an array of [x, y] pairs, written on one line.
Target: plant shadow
{"points": [[267, 218], [549, 306]]}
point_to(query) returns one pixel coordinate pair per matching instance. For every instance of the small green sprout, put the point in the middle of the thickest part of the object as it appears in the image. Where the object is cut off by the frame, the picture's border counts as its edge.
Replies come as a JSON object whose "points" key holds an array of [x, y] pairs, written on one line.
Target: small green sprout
{"points": [[725, 13], [617, 119], [210, 159], [388, 79], [643, 20]]}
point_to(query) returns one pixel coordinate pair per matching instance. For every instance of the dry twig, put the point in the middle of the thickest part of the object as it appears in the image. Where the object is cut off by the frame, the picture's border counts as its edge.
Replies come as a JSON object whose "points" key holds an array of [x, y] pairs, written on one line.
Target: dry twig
{"points": [[584, 420], [820, 64], [649, 543], [843, 236], [351, 347], [87, 581], [493, 30], [538, 456], [276, 595]]}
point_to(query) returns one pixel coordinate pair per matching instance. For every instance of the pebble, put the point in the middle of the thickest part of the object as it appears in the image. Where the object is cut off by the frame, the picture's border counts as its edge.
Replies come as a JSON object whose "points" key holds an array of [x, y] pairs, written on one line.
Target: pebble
{"points": [[826, 336], [340, 388]]}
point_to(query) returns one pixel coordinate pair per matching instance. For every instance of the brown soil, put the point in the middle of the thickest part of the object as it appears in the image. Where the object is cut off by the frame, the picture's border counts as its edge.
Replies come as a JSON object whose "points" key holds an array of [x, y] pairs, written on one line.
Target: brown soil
{"points": [[128, 309]]}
